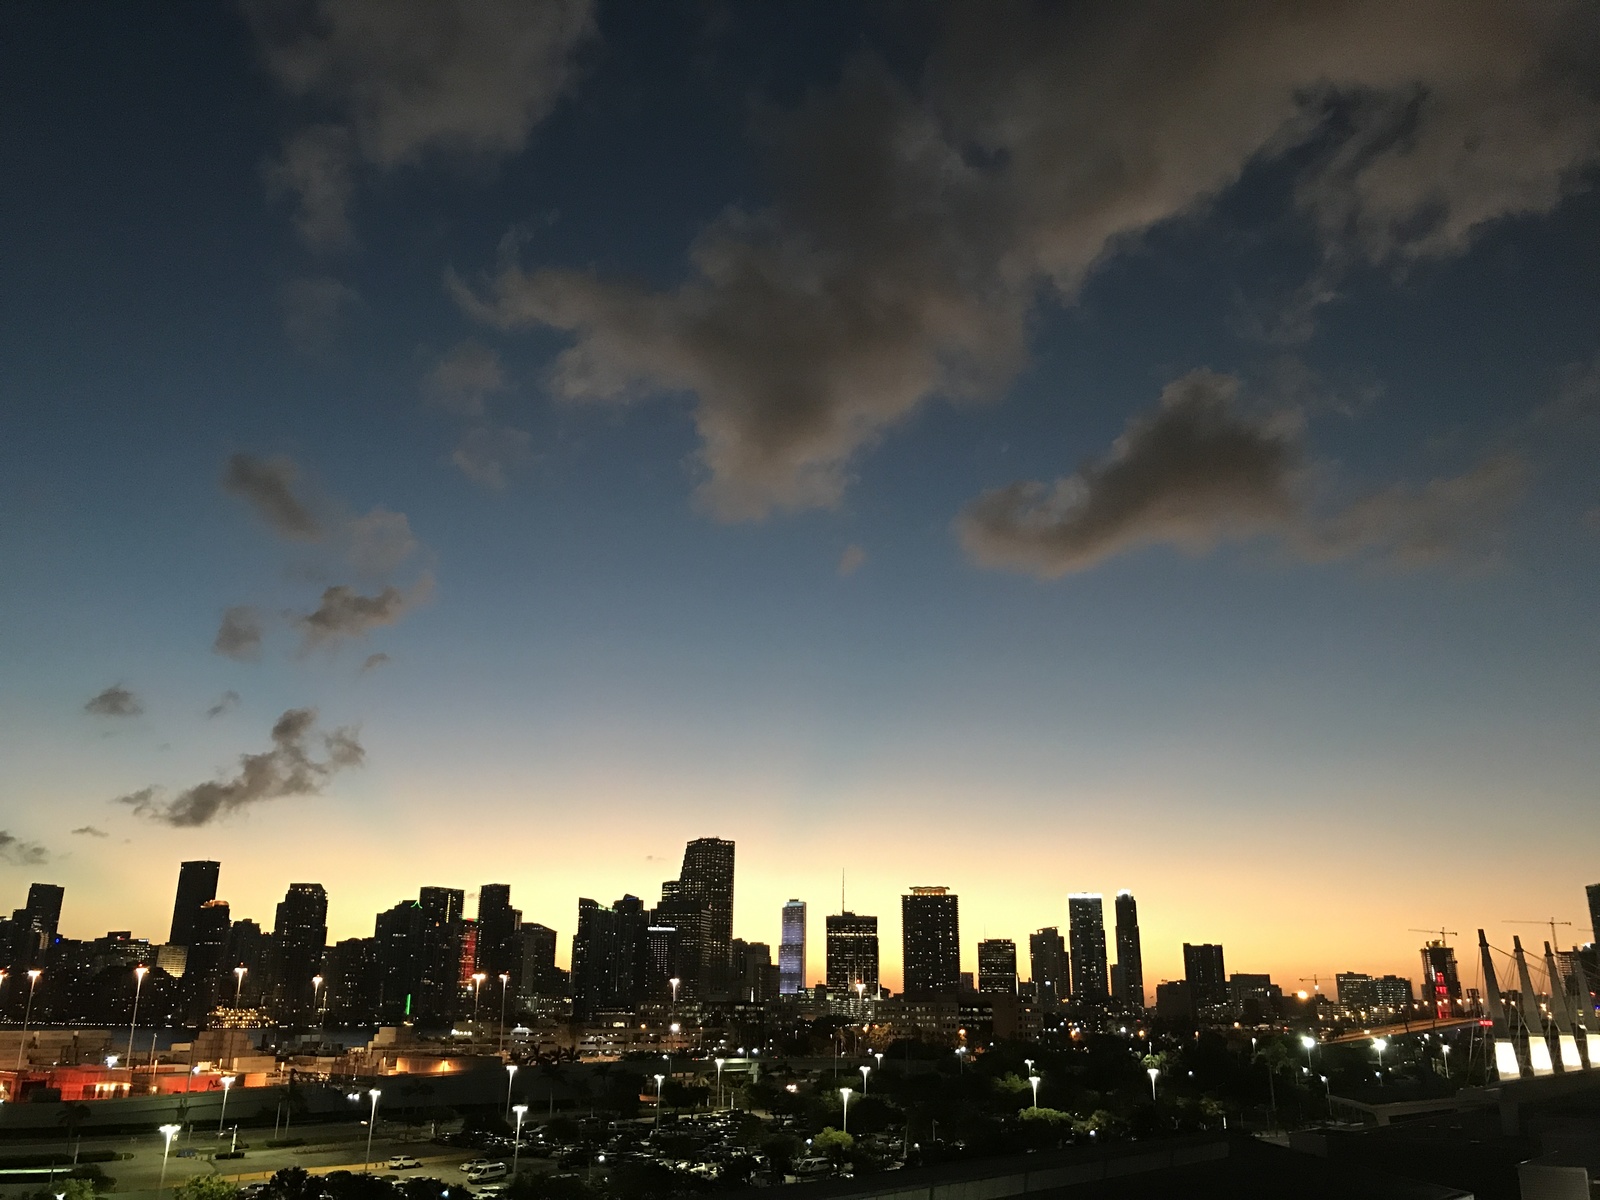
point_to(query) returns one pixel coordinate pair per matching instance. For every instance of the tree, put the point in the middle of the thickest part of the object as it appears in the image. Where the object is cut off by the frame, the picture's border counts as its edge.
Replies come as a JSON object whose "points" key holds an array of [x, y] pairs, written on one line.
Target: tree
{"points": [[68, 1189], [204, 1187], [835, 1143]]}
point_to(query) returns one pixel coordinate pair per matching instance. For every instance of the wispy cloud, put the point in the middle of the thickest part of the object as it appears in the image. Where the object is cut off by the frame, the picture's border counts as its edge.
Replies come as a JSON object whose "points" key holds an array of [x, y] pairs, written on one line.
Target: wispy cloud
{"points": [[268, 486], [90, 831], [20, 853], [226, 703], [346, 613], [115, 701], [239, 635], [852, 560]]}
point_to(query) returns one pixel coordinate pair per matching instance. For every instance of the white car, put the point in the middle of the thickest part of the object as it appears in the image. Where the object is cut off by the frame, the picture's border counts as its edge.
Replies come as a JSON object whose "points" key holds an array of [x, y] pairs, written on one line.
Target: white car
{"points": [[487, 1172], [402, 1162], [467, 1168]]}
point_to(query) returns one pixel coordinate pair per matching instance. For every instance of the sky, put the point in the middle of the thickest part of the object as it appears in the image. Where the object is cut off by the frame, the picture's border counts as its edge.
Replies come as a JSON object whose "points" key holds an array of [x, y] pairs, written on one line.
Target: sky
{"points": [[1024, 448]]}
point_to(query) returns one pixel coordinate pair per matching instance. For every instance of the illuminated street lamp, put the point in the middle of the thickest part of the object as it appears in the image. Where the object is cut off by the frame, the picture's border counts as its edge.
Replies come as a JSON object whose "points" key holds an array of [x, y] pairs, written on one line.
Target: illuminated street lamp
{"points": [[720, 1062], [505, 983], [511, 1076], [138, 985], [33, 982], [1310, 1043], [1380, 1046], [878, 1054], [865, 1071], [477, 982], [316, 998], [516, 1146], [961, 1059], [238, 984], [660, 1079], [1153, 1072], [674, 982], [844, 1121], [1444, 1047], [1034, 1079], [170, 1131], [372, 1124], [227, 1082]]}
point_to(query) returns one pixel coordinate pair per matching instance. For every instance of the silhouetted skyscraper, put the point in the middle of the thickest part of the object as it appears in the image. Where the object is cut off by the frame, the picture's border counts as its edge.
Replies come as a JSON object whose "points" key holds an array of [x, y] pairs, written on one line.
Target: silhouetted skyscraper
{"points": [[707, 876], [852, 955], [197, 883], [930, 931], [299, 934], [1048, 964], [439, 995], [540, 976], [498, 947], [1441, 984], [792, 949], [1086, 930], [1593, 891], [1130, 955], [997, 967], [208, 963], [397, 951], [1202, 967]]}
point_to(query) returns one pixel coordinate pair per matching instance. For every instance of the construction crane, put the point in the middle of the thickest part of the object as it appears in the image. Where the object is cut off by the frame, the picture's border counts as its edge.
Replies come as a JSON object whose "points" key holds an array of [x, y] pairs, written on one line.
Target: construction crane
{"points": [[1315, 981], [1444, 934], [1550, 921]]}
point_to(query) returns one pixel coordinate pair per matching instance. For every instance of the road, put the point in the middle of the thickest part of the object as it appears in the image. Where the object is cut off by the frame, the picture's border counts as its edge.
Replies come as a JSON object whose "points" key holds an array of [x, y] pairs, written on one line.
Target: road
{"points": [[327, 1148]]}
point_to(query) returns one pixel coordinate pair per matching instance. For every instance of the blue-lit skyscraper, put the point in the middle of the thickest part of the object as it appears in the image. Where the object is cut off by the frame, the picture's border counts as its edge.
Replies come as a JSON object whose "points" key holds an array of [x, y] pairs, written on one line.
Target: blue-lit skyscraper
{"points": [[792, 949]]}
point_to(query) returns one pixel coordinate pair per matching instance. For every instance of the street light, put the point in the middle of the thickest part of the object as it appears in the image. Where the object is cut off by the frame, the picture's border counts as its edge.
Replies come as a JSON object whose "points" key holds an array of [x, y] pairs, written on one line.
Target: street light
{"points": [[511, 1075], [316, 996], [674, 981], [878, 1054], [1446, 1049], [171, 1131], [138, 985], [505, 983], [33, 982], [1310, 1043], [720, 1063], [477, 982], [227, 1082], [372, 1124], [659, 1080], [961, 1059], [1152, 1072], [516, 1146], [865, 1071], [844, 1121], [1034, 1079], [1380, 1046], [238, 984]]}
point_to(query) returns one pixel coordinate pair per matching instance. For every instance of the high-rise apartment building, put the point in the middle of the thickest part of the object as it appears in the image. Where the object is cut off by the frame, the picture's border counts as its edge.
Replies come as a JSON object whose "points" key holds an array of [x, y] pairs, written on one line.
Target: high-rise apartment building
{"points": [[537, 960], [1441, 983], [1130, 954], [792, 949], [997, 967], [852, 955], [300, 934], [1086, 932], [439, 995], [208, 959], [1048, 965], [32, 928], [498, 946], [1203, 969], [930, 931], [197, 883], [613, 961], [397, 952], [707, 877], [350, 988]]}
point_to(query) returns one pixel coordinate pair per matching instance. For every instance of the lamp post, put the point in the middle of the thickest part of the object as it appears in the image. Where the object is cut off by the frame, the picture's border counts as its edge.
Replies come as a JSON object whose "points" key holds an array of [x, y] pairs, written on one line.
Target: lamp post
{"points": [[33, 982], [238, 985], [222, 1115], [1380, 1046], [505, 983], [878, 1054], [1310, 1043], [1034, 1080], [133, 1023], [1153, 1072], [170, 1131], [516, 1144], [660, 1079], [316, 999], [1445, 1049], [477, 982], [372, 1124], [865, 1071], [961, 1060], [720, 1063], [844, 1121], [511, 1077]]}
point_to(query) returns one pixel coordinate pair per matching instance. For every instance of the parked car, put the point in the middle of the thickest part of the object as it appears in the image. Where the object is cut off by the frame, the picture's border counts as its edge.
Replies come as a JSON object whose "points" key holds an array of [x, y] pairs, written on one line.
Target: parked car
{"points": [[402, 1162], [487, 1172], [467, 1168]]}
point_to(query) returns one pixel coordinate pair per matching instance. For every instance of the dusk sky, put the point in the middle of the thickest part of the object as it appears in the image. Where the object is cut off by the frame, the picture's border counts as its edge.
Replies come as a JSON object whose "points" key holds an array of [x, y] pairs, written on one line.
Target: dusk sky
{"points": [[1027, 449]]}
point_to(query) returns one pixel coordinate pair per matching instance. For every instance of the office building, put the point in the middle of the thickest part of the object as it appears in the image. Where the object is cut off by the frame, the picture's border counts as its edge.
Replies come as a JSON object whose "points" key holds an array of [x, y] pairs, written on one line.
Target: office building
{"points": [[930, 931], [792, 949], [397, 951], [755, 974], [1086, 937], [539, 975], [1254, 998], [208, 961], [707, 877], [1174, 1000], [1441, 983], [350, 987], [498, 947], [852, 945], [1048, 964], [1203, 970], [997, 967], [33, 927], [197, 883], [300, 935], [617, 957], [1128, 979]]}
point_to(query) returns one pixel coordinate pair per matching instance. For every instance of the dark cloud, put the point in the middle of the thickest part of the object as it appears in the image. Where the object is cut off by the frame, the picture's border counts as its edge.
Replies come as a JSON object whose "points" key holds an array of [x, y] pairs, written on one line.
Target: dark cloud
{"points": [[401, 80], [239, 635], [378, 543], [89, 831], [115, 701], [143, 801], [1199, 471], [226, 703], [374, 661], [914, 228], [267, 485], [346, 613], [20, 853], [287, 769]]}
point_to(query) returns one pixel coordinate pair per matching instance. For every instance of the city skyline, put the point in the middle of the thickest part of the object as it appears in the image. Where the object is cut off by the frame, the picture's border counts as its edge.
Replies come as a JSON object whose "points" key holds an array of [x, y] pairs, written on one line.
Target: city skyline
{"points": [[891, 438]]}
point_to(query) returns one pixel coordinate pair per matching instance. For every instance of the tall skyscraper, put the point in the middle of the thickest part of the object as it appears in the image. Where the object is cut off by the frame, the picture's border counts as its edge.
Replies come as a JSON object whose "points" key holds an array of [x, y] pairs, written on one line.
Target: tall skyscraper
{"points": [[540, 976], [997, 967], [33, 927], [792, 949], [439, 995], [397, 952], [1130, 955], [1593, 891], [1441, 984], [930, 932], [300, 934], [707, 876], [1086, 931], [1048, 964], [852, 955], [208, 963], [498, 923], [197, 883], [1202, 967]]}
